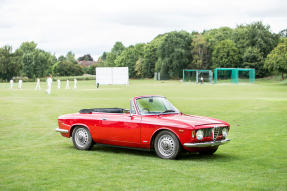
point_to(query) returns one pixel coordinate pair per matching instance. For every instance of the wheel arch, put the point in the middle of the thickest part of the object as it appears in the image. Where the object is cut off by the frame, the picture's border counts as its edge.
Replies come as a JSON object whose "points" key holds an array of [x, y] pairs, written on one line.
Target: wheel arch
{"points": [[78, 125], [157, 132]]}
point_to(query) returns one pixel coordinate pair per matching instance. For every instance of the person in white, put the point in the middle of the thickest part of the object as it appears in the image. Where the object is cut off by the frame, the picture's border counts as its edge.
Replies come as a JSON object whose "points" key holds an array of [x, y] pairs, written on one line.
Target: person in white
{"points": [[20, 84], [38, 84], [75, 83], [59, 84], [67, 84], [49, 84], [201, 79], [11, 84]]}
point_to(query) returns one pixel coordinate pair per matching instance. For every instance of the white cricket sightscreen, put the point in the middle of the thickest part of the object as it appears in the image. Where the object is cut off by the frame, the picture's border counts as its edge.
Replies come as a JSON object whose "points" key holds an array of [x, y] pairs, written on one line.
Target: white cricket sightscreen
{"points": [[112, 75]]}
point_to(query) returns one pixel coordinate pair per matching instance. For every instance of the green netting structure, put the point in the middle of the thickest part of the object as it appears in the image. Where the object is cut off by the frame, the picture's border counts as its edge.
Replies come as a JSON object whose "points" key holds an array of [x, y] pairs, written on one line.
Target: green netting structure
{"points": [[234, 74], [195, 75]]}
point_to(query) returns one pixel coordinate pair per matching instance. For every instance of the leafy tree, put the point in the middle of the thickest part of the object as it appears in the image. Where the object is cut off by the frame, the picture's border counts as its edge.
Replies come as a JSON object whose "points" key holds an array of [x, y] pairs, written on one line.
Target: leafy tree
{"points": [[200, 53], [253, 58], [103, 57], [129, 58], [67, 68], [225, 54], [110, 60], [61, 58], [213, 36], [27, 47], [174, 54], [255, 35], [10, 63], [150, 56], [277, 59], [86, 57], [139, 68], [71, 57], [117, 49], [92, 69], [35, 62], [283, 33]]}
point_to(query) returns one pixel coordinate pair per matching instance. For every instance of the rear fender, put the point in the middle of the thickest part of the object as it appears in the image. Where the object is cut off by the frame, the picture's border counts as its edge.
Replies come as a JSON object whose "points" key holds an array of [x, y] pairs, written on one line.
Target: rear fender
{"points": [[82, 125]]}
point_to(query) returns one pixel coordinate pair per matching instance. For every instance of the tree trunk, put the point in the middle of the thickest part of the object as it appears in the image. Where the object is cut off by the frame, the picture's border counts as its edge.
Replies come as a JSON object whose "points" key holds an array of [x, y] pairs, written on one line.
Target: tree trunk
{"points": [[282, 77]]}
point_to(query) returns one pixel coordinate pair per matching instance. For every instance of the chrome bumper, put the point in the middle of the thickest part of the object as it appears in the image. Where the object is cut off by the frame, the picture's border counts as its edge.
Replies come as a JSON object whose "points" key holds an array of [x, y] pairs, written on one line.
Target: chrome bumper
{"points": [[62, 130], [207, 144]]}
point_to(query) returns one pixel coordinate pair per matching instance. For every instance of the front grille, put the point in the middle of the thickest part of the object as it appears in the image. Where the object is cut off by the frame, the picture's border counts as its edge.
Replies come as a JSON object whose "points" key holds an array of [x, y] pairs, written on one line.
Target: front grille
{"points": [[212, 132], [207, 132], [217, 131]]}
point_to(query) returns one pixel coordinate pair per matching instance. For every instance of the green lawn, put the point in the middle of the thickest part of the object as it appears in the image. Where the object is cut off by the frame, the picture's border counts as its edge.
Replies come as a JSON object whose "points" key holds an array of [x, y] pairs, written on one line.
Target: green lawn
{"points": [[34, 157]]}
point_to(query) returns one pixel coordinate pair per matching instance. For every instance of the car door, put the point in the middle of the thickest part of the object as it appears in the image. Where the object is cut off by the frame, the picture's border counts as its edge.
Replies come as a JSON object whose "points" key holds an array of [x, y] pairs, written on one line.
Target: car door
{"points": [[120, 129]]}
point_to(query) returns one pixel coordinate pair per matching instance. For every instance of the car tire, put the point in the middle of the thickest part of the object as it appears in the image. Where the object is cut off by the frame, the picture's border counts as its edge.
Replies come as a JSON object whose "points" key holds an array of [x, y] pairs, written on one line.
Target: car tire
{"points": [[208, 151], [82, 138], [167, 145]]}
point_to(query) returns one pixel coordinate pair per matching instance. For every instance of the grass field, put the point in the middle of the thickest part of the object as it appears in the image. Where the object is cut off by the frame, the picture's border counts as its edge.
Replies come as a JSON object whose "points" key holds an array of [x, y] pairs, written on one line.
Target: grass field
{"points": [[34, 157]]}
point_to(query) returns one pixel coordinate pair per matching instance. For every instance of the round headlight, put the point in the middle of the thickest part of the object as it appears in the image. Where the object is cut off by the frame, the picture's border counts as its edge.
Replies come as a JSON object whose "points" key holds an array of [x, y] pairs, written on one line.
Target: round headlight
{"points": [[199, 135], [224, 132]]}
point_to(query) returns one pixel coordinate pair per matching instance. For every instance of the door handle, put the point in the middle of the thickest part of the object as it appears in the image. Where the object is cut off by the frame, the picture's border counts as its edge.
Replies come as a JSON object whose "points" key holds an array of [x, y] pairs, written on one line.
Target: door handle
{"points": [[104, 119]]}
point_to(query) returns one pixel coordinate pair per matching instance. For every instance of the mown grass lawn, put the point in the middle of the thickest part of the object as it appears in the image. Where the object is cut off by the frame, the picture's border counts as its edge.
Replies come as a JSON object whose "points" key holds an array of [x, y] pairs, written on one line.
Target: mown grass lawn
{"points": [[34, 157]]}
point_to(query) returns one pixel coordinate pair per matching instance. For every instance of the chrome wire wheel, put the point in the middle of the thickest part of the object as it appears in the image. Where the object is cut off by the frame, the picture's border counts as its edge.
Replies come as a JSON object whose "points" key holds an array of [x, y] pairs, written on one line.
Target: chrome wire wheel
{"points": [[166, 145], [81, 137]]}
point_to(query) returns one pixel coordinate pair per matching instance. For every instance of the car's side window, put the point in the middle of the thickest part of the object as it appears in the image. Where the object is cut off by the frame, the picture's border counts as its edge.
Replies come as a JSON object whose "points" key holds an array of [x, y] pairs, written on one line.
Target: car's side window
{"points": [[132, 108]]}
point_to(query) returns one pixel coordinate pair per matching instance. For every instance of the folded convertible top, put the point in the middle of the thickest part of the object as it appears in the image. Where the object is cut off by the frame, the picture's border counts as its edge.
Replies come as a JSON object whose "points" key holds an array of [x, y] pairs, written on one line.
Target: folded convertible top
{"points": [[102, 110]]}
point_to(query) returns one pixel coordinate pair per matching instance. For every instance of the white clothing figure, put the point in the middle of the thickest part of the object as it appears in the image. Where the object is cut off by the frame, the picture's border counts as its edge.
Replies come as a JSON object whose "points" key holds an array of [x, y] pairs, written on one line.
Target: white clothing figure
{"points": [[75, 83], [67, 84], [201, 79], [49, 84], [11, 84], [20, 84], [59, 84], [38, 84]]}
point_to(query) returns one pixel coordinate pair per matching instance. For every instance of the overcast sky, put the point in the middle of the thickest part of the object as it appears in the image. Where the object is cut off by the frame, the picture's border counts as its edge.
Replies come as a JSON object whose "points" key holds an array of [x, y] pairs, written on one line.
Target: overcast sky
{"points": [[91, 26]]}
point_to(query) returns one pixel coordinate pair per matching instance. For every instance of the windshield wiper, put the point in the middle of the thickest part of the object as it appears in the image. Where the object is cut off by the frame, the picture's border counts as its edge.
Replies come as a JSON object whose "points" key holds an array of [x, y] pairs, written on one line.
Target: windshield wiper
{"points": [[166, 111]]}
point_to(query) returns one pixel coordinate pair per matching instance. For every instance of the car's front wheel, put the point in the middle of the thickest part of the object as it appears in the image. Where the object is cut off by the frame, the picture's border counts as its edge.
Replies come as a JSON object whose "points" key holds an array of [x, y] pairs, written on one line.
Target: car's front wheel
{"points": [[167, 145], [82, 138]]}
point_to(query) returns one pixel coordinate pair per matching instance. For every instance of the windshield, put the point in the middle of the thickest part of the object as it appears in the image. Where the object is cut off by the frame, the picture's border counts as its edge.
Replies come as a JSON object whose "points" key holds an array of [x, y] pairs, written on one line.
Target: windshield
{"points": [[155, 105]]}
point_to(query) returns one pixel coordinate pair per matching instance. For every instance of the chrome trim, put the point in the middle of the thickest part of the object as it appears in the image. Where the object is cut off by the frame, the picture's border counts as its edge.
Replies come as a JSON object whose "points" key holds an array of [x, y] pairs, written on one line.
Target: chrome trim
{"points": [[62, 130], [207, 144]]}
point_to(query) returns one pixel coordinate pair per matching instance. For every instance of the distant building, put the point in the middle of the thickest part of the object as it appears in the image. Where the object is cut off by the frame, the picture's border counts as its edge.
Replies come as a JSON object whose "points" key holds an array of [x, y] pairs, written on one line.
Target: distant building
{"points": [[85, 63]]}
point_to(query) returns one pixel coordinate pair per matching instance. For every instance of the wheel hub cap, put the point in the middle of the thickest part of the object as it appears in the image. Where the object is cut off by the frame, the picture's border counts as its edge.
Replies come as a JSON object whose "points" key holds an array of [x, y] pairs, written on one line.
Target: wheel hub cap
{"points": [[81, 137], [166, 145]]}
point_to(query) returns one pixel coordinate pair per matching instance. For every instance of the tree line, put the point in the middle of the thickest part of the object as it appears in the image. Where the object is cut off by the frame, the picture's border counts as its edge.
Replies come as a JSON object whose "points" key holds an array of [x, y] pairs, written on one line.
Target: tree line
{"points": [[32, 62], [246, 46]]}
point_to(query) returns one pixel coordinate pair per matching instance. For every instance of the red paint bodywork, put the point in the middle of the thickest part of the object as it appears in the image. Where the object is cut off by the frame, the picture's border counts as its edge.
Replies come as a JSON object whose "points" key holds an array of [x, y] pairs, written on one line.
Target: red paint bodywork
{"points": [[138, 131]]}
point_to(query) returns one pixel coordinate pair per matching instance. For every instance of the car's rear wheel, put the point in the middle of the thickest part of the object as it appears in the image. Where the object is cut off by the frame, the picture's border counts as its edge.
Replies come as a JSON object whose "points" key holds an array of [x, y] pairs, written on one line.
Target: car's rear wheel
{"points": [[82, 138], [208, 150], [166, 145]]}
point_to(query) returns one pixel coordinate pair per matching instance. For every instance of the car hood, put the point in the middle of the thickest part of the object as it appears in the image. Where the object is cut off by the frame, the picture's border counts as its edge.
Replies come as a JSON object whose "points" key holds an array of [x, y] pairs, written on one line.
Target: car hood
{"points": [[189, 120]]}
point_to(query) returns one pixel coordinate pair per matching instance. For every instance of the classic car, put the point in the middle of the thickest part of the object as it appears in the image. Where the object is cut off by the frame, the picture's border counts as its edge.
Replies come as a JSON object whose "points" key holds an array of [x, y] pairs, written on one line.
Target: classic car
{"points": [[151, 123]]}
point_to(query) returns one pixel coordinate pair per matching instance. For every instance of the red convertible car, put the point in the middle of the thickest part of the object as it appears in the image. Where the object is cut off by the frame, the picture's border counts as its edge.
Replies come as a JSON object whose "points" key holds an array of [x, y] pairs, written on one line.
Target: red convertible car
{"points": [[152, 123]]}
